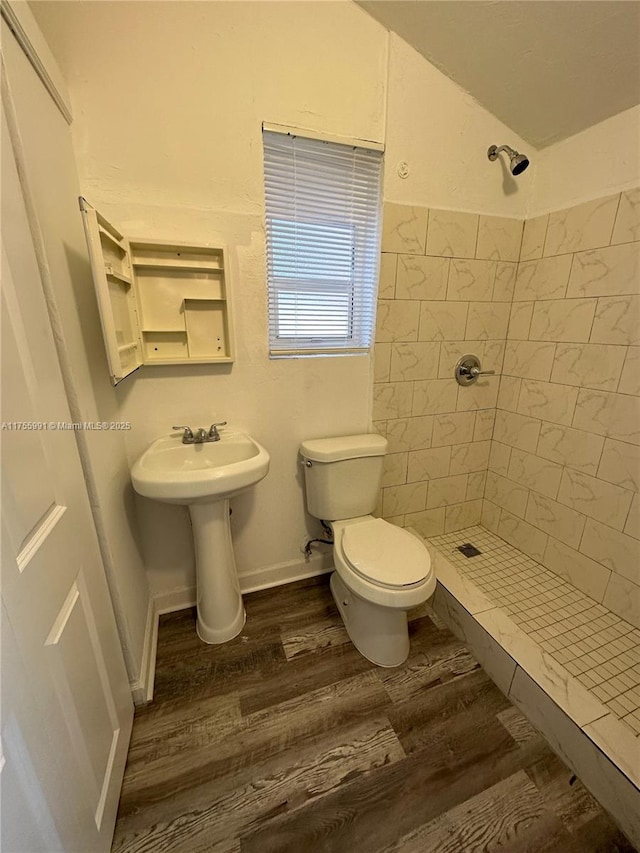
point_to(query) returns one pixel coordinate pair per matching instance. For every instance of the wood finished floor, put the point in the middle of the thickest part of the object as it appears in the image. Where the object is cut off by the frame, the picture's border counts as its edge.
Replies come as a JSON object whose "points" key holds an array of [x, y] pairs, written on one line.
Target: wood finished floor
{"points": [[287, 739]]}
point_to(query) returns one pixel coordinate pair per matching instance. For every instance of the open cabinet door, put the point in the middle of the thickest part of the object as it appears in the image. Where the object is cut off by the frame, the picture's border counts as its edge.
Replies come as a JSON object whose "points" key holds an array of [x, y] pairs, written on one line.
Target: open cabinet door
{"points": [[112, 276]]}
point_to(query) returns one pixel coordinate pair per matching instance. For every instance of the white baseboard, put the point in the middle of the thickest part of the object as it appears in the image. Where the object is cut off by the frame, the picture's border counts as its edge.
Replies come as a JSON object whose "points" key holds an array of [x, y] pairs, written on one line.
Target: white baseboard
{"points": [[282, 573], [175, 599], [142, 689]]}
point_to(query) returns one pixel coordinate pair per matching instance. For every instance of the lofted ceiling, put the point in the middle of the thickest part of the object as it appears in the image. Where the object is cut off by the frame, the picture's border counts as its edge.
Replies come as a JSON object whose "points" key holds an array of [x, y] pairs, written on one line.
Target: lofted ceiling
{"points": [[546, 68]]}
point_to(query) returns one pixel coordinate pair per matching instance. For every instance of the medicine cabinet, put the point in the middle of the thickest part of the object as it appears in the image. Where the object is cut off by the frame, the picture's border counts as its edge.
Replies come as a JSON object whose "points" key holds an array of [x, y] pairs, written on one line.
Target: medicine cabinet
{"points": [[160, 303]]}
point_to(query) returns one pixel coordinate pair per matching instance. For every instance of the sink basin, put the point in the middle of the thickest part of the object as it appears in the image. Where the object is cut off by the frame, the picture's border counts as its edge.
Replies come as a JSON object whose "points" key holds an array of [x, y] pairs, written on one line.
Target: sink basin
{"points": [[204, 476], [180, 473]]}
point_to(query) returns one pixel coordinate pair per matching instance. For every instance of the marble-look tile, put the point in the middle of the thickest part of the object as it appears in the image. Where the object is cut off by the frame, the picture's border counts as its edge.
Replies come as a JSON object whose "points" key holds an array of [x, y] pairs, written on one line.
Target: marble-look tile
{"points": [[387, 276], [429, 522], [588, 365], [630, 378], [382, 362], [434, 396], [587, 575], [419, 277], [618, 743], [499, 238], [547, 401], [535, 473], [546, 278], [392, 400], [409, 433], [494, 660], [562, 320], [585, 226], [567, 740], [404, 228], [505, 281], [397, 320], [499, 457], [494, 355], [620, 464], [466, 458], [487, 320], [617, 321], [483, 394], [615, 550], [567, 692], [442, 321], [612, 415], [415, 360], [516, 430], [447, 490], [575, 448], [613, 271], [476, 482], [485, 419], [394, 471], [428, 464], [520, 321], [506, 494], [632, 527], [533, 236], [411, 497], [490, 517], [460, 516], [529, 359], [522, 535], [471, 279], [455, 428], [623, 598], [461, 589], [556, 519], [452, 234], [627, 225], [509, 393]]}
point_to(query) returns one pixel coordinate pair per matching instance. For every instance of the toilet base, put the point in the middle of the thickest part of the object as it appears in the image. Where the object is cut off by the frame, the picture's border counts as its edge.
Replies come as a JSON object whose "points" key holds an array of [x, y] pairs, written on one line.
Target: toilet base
{"points": [[380, 634]]}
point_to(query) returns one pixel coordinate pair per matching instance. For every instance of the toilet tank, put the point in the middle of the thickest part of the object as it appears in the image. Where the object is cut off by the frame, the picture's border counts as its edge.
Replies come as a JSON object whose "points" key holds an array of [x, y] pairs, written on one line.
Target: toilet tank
{"points": [[343, 475]]}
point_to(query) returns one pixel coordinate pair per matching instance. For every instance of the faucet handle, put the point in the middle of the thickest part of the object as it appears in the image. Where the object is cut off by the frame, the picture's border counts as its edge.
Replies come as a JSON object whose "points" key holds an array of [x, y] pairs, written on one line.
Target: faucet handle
{"points": [[213, 429], [188, 432]]}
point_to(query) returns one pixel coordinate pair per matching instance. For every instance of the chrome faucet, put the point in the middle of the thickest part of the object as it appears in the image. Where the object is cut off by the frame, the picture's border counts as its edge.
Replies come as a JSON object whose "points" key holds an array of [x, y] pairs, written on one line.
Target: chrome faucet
{"points": [[201, 435]]}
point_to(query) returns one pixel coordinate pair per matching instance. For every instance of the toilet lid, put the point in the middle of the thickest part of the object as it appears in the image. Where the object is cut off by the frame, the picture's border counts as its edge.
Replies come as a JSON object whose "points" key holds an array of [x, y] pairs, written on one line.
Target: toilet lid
{"points": [[385, 554]]}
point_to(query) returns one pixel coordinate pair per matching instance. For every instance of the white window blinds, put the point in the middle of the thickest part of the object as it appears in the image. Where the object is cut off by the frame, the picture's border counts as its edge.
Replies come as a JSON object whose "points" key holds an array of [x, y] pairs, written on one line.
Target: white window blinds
{"points": [[323, 243]]}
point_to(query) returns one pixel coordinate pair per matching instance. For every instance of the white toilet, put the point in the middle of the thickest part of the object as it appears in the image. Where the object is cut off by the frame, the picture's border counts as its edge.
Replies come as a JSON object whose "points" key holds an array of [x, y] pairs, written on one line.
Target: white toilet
{"points": [[381, 570]]}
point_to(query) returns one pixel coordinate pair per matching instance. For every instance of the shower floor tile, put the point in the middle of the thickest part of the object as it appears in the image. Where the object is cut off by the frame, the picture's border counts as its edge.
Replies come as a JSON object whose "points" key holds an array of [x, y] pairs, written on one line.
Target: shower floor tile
{"points": [[593, 644], [287, 740]]}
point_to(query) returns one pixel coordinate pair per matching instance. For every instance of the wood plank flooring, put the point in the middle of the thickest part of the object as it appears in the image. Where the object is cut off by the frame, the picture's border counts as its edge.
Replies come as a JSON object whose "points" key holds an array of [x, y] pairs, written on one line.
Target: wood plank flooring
{"points": [[287, 740]]}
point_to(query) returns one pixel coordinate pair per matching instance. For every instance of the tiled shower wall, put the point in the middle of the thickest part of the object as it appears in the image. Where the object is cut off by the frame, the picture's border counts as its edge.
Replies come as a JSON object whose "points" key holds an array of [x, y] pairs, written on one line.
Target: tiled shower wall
{"points": [[446, 285], [558, 473], [564, 467]]}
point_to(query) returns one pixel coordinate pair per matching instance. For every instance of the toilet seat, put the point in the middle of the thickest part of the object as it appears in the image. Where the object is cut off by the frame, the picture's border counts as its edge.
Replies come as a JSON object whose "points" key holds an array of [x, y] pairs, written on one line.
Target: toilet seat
{"points": [[385, 555]]}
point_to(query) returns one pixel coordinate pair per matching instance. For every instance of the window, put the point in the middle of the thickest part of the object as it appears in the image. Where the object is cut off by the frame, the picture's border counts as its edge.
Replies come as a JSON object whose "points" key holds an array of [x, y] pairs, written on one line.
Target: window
{"points": [[323, 244]]}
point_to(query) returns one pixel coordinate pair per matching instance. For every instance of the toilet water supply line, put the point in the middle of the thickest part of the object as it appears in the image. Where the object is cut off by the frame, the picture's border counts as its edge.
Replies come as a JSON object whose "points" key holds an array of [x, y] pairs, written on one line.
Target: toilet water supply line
{"points": [[328, 541]]}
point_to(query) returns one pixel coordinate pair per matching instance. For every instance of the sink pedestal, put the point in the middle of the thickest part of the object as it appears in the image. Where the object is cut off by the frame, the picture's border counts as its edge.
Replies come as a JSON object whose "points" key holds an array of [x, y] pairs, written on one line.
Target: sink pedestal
{"points": [[221, 614]]}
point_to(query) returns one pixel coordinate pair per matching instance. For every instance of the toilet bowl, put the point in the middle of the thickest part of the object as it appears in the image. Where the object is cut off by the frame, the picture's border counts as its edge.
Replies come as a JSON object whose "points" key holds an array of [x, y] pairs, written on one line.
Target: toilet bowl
{"points": [[381, 571]]}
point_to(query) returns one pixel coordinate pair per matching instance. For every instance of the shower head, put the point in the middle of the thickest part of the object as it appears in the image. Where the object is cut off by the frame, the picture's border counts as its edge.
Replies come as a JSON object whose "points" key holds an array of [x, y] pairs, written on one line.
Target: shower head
{"points": [[519, 162]]}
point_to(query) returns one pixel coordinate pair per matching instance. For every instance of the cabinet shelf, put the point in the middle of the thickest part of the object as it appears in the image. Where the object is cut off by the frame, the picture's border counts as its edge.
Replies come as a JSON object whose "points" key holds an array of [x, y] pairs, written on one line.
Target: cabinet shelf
{"points": [[187, 266], [166, 300]]}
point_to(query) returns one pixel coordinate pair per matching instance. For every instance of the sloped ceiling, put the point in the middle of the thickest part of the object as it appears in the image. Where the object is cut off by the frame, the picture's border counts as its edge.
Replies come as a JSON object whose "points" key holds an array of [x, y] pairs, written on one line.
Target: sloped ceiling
{"points": [[546, 68]]}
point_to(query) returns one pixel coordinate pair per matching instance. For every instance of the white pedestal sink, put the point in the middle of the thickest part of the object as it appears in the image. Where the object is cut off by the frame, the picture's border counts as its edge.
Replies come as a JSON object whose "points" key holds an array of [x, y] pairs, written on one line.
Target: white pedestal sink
{"points": [[204, 476]]}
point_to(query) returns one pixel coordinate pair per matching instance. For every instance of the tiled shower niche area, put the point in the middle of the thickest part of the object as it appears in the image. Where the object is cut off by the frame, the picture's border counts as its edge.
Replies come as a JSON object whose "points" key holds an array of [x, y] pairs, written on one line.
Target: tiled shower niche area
{"points": [[540, 459]]}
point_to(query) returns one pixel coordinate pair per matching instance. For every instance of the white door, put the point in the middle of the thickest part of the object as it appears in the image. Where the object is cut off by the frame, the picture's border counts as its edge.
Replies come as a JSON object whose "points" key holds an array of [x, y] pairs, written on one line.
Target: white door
{"points": [[67, 708]]}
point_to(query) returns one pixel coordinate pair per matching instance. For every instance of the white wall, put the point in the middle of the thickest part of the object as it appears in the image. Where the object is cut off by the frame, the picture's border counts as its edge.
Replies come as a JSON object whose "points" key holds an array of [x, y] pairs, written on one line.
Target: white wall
{"points": [[443, 134], [168, 144], [602, 160]]}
